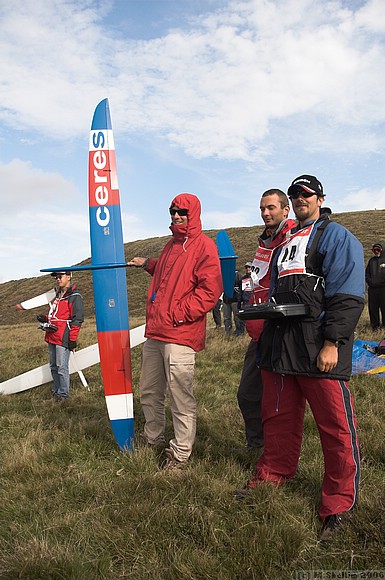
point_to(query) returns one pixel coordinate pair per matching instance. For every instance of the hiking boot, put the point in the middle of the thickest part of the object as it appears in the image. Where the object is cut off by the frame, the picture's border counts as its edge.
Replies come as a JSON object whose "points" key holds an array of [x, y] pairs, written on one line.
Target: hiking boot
{"points": [[144, 442], [171, 462], [331, 524]]}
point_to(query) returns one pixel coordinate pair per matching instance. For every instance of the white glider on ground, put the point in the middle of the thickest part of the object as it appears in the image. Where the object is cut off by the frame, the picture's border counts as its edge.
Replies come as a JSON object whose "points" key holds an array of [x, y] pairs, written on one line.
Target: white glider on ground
{"points": [[79, 360]]}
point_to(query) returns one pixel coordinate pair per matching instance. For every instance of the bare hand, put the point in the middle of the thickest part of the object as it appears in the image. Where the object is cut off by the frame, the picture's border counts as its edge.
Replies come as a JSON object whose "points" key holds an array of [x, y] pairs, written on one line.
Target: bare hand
{"points": [[137, 262], [327, 358]]}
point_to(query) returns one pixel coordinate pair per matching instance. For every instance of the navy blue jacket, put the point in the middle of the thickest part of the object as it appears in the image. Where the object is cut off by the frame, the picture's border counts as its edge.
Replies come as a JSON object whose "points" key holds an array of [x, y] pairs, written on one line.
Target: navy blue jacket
{"points": [[336, 300]]}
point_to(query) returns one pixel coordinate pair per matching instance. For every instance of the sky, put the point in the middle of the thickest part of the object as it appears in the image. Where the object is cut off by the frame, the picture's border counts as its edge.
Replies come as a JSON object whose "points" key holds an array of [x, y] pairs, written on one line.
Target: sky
{"points": [[221, 98]]}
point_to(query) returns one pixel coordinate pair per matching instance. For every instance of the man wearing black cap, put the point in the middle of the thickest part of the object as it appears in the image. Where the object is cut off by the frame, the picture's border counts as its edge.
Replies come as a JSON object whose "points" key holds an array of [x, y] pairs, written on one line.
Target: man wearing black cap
{"points": [[308, 358], [375, 279], [62, 325]]}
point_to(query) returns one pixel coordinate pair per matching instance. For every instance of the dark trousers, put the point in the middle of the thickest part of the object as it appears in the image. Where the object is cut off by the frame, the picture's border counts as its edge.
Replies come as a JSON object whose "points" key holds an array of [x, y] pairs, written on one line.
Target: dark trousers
{"points": [[217, 314], [230, 311], [250, 396], [376, 305]]}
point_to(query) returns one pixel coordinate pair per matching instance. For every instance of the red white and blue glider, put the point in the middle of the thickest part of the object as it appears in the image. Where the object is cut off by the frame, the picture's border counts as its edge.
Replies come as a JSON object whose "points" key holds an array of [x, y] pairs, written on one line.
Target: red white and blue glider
{"points": [[109, 276]]}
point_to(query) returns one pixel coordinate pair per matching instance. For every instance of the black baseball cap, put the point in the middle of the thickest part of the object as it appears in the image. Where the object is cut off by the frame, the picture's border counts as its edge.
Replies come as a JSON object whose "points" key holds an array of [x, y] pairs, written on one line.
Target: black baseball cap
{"points": [[308, 183], [54, 274]]}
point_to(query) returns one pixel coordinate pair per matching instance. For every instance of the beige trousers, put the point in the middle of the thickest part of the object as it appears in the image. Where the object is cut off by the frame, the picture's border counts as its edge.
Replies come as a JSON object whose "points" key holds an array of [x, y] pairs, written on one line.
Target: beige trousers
{"points": [[168, 368]]}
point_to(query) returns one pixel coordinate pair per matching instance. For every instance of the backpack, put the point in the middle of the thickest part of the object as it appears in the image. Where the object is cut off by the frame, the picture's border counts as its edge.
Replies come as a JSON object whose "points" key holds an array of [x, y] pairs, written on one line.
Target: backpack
{"points": [[378, 350]]}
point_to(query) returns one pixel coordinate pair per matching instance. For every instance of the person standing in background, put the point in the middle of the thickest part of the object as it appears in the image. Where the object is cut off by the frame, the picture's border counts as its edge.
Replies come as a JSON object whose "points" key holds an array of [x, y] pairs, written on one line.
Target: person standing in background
{"points": [[231, 305], [246, 285], [375, 279], [62, 326]]}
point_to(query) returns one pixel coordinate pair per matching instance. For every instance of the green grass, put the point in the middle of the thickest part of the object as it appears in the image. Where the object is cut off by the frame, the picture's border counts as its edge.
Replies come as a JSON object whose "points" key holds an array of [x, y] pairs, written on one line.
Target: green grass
{"points": [[73, 507]]}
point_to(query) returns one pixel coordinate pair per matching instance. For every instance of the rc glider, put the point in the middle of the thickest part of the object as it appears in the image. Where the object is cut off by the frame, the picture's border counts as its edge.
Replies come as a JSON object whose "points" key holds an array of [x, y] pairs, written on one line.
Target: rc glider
{"points": [[109, 280]]}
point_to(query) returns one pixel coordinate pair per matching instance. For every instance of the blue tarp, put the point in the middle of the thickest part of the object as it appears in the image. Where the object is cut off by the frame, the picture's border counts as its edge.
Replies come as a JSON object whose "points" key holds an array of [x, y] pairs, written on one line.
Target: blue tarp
{"points": [[365, 361]]}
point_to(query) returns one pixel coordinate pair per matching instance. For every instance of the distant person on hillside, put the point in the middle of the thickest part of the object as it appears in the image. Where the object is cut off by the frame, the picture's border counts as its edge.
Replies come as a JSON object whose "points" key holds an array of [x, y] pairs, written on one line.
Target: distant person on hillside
{"points": [[186, 285], [231, 305], [308, 357], [246, 285], [274, 206], [62, 325], [375, 279]]}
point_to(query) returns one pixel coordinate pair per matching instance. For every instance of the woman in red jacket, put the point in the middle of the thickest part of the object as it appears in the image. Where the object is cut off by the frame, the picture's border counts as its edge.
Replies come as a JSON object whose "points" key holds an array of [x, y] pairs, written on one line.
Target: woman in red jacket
{"points": [[186, 284]]}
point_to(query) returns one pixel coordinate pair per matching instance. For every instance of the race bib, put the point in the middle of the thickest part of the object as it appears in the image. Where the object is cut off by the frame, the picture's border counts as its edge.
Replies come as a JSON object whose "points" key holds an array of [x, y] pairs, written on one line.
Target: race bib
{"points": [[247, 284], [260, 266], [291, 259]]}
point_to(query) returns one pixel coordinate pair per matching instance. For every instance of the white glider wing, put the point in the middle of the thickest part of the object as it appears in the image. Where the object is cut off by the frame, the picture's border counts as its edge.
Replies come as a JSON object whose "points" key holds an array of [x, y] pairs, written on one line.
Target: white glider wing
{"points": [[83, 359]]}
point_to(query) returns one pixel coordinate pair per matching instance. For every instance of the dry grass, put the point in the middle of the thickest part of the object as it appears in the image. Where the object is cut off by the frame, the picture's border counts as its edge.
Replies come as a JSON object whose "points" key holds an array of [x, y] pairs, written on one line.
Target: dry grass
{"points": [[73, 507]]}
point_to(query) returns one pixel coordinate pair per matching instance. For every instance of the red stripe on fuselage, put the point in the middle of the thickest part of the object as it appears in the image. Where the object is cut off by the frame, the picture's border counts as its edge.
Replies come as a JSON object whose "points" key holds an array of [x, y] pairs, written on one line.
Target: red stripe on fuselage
{"points": [[103, 187], [115, 359]]}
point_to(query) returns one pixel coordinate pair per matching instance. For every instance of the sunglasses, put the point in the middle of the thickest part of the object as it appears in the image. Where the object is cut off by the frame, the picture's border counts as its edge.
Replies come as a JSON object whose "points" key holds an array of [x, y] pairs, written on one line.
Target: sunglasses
{"points": [[58, 276], [301, 192], [180, 212]]}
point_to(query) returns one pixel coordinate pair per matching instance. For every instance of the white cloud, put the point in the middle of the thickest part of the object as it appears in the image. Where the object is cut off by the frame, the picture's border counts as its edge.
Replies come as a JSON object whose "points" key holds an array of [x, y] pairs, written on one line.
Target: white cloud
{"points": [[213, 90], [370, 16], [42, 239], [237, 218], [362, 199], [25, 186]]}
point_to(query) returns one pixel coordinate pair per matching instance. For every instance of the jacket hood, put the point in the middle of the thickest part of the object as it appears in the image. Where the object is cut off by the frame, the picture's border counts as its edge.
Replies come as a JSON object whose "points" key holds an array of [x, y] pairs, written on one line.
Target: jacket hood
{"points": [[193, 227]]}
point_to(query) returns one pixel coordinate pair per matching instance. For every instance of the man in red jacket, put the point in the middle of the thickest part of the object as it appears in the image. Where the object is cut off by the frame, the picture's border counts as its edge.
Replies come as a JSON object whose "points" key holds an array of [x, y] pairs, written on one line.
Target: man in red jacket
{"points": [[186, 284], [274, 206], [62, 325]]}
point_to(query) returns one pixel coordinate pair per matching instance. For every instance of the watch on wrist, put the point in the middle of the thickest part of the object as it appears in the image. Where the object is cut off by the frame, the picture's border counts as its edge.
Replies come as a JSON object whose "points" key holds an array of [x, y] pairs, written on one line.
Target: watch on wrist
{"points": [[336, 343]]}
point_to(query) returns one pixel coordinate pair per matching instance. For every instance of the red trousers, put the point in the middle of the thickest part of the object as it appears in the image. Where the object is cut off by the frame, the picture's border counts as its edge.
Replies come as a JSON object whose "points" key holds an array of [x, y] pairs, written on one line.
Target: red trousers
{"points": [[283, 409]]}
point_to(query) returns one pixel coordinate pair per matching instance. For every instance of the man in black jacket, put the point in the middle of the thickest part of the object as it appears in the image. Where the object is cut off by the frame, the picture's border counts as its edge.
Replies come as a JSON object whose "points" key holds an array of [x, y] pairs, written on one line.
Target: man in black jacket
{"points": [[308, 358], [375, 279]]}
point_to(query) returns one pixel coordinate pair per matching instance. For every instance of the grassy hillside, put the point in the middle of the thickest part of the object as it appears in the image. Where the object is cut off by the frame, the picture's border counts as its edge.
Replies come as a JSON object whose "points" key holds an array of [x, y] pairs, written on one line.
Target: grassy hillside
{"points": [[368, 226]]}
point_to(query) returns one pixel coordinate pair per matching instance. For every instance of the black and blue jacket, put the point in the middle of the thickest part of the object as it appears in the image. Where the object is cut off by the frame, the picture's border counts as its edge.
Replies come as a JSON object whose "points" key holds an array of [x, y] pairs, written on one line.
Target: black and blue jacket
{"points": [[335, 294]]}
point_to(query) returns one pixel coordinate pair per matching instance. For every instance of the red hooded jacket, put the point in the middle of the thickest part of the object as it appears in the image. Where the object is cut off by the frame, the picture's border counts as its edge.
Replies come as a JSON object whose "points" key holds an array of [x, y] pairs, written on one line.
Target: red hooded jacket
{"points": [[186, 281], [67, 313]]}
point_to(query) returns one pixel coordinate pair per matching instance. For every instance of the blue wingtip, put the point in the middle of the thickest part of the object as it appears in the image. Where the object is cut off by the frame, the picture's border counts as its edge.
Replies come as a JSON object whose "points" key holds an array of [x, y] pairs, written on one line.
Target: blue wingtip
{"points": [[225, 248], [102, 118], [228, 260]]}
